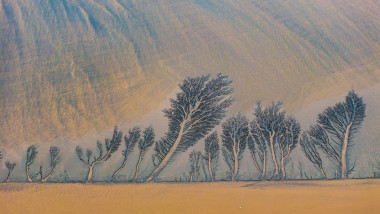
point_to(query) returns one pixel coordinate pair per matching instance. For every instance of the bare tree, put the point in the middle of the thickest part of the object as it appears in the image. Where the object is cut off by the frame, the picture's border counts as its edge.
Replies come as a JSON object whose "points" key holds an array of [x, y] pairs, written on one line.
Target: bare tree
{"points": [[269, 122], [310, 150], [197, 109], [54, 160], [31, 155], [258, 148], [288, 139], [212, 153], [144, 144], [111, 147], [342, 122], [195, 159], [10, 167], [234, 137], [130, 141]]}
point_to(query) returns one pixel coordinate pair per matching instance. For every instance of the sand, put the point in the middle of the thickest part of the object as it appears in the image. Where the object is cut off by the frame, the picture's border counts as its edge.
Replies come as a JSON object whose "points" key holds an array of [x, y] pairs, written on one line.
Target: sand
{"points": [[350, 196]]}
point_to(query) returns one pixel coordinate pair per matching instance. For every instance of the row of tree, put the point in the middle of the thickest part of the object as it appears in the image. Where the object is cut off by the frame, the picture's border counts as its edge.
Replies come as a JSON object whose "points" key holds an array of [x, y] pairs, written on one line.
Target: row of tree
{"points": [[200, 106], [274, 133]]}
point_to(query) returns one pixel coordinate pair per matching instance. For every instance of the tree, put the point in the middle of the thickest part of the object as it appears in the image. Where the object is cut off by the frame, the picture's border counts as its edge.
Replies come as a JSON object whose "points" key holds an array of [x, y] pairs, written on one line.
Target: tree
{"points": [[258, 148], [31, 155], [54, 160], [269, 121], [144, 144], [10, 167], [212, 153], [197, 109], [111, 147], [195, 159], [130, 141], [310, 150], [234, 138], [342, 122], [288, 139]]}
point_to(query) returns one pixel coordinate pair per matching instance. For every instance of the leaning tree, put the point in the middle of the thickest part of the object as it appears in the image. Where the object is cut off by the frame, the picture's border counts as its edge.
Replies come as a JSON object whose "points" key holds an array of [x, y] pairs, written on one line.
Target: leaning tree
{"points": [[111, 147], [54, 160], [31, 155], [234, 138], [10, 166], [288, 139], [197, 109], [309, 148], [341, 122], [212, 153], [269, 122], [258, 148], [130, 141], [144, 144]]}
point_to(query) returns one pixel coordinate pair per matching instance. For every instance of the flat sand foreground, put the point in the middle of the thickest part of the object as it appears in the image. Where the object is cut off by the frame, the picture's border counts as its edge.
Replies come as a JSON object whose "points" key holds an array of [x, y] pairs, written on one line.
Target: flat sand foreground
{"points": [[350, 196]]}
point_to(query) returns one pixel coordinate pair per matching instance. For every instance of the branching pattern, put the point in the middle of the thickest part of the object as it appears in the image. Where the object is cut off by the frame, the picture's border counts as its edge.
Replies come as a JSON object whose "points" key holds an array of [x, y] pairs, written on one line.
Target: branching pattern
{"points": [[111, 147], [309, 148], [197, 109], [234, 138], [130, 141], [341, 123]]}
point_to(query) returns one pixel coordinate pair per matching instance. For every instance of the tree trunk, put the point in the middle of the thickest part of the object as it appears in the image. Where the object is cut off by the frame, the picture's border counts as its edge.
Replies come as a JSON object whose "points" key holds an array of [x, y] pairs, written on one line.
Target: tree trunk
{"points": [[121, 167], [271, 138], [283, 165], [168, 156], [323, 172], [264, 165], [137, 167], [27, 173], [236, 157], [41, 173], [198, 177], [89, 176], [344, 152], [9, 174], [209, 167], [191, 177], [45, 179]]}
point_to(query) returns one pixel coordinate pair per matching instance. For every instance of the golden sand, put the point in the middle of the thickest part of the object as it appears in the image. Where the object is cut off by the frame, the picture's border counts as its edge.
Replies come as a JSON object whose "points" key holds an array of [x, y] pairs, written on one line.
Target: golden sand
{"points": [[350, 196]]}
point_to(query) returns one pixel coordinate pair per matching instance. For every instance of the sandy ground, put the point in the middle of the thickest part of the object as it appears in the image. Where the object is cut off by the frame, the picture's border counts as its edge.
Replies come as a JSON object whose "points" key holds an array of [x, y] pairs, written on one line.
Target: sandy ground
{"points": [[351, 196]]}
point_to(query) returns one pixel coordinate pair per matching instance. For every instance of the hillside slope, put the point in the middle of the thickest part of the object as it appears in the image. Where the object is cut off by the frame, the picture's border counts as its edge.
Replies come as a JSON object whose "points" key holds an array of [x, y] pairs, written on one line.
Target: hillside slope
{"points": [[73, 67]]}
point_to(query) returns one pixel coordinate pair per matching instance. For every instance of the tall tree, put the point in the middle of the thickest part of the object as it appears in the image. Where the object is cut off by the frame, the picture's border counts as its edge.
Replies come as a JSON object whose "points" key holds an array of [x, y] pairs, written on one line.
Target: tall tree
{"points": [[31, 155], [130, 141], [10, 166], [310, 150], [54, 160], [342, 122], [269, 121], [288, 139], [111, 147], [258, 148], [195, 159], [212, 153], [197, 109], [234, 137], [144, 144]]}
